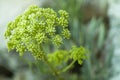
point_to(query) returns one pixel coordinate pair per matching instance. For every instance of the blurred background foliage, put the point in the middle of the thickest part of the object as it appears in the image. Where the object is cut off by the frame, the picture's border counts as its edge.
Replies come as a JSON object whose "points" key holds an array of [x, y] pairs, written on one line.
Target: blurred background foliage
{"points": [[88, 32]]}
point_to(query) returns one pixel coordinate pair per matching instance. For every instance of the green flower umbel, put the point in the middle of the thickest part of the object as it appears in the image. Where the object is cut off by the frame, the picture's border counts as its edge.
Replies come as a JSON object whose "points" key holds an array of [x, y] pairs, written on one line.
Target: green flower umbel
{"points": [[78, 54], [37, 26]]}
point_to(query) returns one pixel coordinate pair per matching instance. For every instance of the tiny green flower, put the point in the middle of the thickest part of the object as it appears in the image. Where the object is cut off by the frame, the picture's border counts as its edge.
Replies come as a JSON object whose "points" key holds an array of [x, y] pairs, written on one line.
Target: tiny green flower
{"points": [[63, 13], [66, 33], [40, 37], [57, 40]]}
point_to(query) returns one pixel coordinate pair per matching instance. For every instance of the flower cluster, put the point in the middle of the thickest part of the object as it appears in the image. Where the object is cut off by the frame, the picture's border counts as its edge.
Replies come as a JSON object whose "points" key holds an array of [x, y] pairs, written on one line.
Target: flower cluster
{"points": [[78, 54], [37, 26], [62, 56], [59, 57]]}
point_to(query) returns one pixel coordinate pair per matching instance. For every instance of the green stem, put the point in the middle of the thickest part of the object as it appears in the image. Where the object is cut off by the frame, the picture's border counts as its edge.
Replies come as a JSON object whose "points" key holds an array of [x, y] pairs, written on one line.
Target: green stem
{"points": [[55, 72], [69, 66], [53, 69]]}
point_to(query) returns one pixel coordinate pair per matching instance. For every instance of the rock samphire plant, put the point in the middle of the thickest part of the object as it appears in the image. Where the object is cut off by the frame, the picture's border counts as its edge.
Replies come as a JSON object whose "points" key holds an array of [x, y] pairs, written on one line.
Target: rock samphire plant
{"points": [[39, 26]]}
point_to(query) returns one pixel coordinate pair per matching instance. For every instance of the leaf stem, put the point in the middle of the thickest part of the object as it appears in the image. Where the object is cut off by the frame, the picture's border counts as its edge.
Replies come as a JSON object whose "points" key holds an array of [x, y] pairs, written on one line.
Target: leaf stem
{"points": [[69, 66]]}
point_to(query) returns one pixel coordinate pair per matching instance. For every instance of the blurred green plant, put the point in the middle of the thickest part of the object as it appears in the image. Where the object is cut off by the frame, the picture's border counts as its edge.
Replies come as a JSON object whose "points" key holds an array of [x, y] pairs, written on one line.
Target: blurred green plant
{"points": [[37, 27], [94, 38]]}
